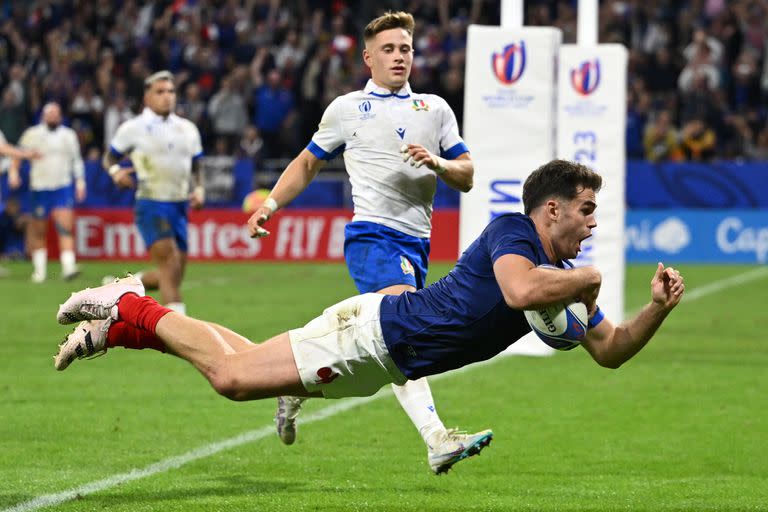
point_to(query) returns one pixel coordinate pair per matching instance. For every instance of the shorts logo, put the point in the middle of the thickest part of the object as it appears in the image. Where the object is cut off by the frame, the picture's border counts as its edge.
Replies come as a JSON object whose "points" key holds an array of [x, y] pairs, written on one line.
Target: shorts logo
{"points": [[326, 375], [406, 266]]}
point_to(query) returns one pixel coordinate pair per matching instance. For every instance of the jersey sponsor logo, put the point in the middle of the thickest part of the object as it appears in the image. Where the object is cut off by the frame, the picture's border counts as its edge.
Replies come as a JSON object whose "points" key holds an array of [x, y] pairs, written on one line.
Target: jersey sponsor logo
{"points": [[326, 375], [406, 266], [508, 65], [400, 132], [586, 77], [420, 105]]}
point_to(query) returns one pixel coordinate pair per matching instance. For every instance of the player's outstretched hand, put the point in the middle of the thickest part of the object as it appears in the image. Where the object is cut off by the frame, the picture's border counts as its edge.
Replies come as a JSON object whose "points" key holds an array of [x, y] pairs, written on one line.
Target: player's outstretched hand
{"points": [[259, 217], [417, 155], [667, 287]]}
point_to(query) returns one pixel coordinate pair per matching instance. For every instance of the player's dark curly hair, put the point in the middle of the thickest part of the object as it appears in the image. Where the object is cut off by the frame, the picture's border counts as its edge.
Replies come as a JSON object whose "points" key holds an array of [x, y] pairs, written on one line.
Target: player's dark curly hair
{"points": [[559, 178], [388, 21]]}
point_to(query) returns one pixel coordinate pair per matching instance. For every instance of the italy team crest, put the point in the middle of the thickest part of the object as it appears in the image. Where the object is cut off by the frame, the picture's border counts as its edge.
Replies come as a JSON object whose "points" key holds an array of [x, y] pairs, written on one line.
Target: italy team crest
{"points": [[420, 105], [406, 266]]}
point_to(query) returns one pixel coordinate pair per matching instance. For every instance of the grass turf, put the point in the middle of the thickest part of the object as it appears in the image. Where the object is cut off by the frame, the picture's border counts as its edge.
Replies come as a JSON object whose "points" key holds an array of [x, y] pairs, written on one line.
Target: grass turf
{"points": [[680, 427]]}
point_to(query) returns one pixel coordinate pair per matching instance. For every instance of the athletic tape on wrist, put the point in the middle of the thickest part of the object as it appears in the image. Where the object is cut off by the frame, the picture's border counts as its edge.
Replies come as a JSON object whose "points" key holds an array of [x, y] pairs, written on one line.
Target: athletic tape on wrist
{"points": [[596, 318], [440, 166], [271, 204]]}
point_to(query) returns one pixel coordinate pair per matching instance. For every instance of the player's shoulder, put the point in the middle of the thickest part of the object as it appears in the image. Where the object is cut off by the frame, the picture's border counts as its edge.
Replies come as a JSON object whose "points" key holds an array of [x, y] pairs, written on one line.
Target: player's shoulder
{"points": [[351, 98], [184, 122], [513, 222]]}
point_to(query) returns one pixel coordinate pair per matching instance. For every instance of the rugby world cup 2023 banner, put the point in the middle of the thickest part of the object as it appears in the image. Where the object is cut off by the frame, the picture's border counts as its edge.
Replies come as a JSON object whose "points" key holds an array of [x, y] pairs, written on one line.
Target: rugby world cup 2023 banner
{"points": [[509, 117], [591, 125]]}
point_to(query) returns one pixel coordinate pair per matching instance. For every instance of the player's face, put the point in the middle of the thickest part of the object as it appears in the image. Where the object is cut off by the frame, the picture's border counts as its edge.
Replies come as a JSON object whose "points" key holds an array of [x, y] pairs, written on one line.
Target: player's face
{"points": [[575, 224], [52, 115], [390, 56], [161, 97]]}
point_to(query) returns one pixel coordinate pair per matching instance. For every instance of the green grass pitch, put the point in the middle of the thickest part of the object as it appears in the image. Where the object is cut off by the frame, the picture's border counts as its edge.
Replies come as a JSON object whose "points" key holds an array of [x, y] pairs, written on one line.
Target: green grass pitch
{"points": [[683, 426]]}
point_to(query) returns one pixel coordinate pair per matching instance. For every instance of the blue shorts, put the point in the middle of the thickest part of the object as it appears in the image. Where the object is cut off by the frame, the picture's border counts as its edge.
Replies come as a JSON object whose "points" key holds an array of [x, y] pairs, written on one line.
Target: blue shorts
{"points": [[41, 202], [378, 256], [162, 219]]}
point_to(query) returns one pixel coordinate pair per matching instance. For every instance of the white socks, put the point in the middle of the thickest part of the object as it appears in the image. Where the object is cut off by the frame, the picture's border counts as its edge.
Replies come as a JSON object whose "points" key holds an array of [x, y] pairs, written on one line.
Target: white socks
{"points": [[39, 264], [415, 398], [178, 307], [67, 259]]}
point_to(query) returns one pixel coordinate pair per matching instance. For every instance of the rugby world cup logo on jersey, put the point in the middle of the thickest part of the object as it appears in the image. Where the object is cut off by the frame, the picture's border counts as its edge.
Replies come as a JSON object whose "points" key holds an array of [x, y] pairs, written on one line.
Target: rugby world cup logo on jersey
{"points": [[366, 108], [508, 65], [586, 77]]}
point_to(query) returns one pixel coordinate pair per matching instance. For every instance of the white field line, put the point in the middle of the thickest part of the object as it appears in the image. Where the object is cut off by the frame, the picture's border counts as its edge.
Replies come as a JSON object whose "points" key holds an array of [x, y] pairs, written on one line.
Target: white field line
{"points": [[49, 500]]}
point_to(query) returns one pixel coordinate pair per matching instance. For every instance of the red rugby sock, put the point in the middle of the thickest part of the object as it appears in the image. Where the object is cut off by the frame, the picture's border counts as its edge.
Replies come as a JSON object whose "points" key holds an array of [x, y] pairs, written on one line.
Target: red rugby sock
{"points": [[123, 334], [141, 312]]}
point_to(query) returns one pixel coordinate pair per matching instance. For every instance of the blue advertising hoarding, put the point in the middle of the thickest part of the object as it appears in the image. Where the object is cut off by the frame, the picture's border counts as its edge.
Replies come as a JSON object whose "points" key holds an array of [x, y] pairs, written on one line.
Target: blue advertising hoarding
{"points": [[697, 236]]}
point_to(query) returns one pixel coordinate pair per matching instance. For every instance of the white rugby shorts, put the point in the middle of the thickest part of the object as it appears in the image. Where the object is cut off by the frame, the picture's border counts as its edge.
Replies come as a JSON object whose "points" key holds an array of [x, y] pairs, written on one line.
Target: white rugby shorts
{"points": [[342, 352]]}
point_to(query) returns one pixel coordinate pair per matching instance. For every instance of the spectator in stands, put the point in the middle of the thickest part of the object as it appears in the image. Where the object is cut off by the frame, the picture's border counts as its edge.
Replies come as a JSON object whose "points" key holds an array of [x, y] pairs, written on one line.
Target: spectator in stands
{"points": [[251, 145], [273, 112], [12, 116], [661, 139], [228, 114], [117, 113], [192, 106], [699, 66], [697, 141], [758, 151]]}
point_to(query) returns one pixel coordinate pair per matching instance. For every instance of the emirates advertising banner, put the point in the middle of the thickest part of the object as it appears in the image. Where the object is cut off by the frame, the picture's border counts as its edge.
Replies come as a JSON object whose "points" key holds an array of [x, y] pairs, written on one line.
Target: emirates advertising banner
{"points": [[222, 234], [591, 124], [509, 117]]}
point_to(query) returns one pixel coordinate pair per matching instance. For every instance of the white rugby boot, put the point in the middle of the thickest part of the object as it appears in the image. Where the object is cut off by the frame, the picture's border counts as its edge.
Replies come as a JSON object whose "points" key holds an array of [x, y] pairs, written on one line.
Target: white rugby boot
{"points": [[453, 446], [98, 303], [89, 339], [288, 408]]}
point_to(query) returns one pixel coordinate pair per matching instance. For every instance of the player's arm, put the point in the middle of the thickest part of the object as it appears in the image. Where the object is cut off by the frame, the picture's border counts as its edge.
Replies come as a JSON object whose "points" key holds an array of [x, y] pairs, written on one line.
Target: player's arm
{"points": [[12, 151], [526, 286], [18, 154], [457, 173], [121, 176], [78, 168], [611, 345], [197, 197], [292, 182]]}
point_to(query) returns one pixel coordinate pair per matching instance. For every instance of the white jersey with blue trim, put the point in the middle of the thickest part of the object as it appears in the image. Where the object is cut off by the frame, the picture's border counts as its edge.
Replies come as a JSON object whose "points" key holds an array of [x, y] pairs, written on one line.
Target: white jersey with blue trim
{"points": [[370, 127], [60, 161], [162, 150]]}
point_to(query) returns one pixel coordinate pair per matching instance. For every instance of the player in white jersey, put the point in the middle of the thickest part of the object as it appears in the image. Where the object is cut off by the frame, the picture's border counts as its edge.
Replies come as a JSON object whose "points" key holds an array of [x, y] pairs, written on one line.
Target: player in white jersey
{"points": [[396, 145], [164, 150], [50, 187], [12, 151]]}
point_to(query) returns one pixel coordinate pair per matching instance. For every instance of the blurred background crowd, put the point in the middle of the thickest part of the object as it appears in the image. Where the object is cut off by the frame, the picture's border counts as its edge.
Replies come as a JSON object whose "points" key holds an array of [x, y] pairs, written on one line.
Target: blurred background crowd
{"points": [[256, 75]]}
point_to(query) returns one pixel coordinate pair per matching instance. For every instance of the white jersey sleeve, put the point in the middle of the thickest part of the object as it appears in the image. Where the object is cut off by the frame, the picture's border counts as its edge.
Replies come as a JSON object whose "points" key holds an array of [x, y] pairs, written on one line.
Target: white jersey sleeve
{"points": [[451, 143], [78, 168], [124, 140], [328, 140]]}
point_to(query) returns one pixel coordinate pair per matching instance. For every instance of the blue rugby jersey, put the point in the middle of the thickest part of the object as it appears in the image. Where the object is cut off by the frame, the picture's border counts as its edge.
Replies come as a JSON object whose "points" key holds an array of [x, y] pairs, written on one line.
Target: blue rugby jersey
{"points": [[462, 318]]}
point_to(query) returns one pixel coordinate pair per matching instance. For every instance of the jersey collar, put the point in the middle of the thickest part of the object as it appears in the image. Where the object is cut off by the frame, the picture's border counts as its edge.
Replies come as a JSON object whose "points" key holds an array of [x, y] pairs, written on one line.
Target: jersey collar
{"points": [[382, 92], [149, 114]]}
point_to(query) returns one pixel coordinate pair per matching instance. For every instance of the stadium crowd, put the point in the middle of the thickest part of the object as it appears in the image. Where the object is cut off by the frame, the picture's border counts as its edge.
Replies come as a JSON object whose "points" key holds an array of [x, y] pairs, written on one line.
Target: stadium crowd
{"points": [[255, 75]]}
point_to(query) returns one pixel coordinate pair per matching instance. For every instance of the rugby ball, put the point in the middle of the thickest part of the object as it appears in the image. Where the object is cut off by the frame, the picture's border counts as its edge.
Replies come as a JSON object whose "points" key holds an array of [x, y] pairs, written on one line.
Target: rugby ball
{"points": [[561, 326]]}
